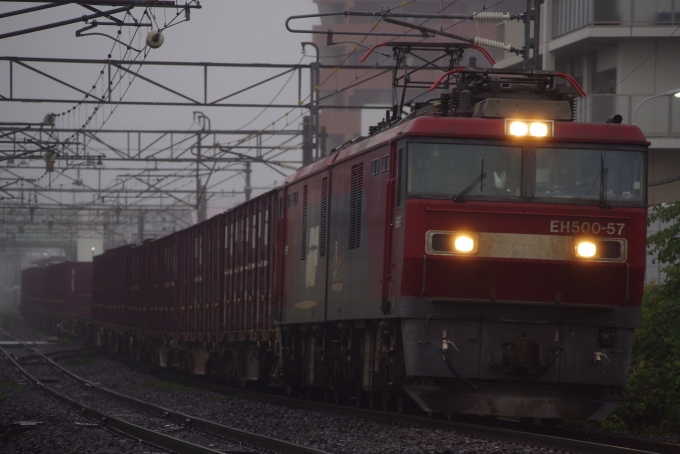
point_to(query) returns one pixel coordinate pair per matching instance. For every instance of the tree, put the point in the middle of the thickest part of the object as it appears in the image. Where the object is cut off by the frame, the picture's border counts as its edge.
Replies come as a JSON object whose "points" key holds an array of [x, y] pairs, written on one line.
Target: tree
{"points": [[654, 382]]}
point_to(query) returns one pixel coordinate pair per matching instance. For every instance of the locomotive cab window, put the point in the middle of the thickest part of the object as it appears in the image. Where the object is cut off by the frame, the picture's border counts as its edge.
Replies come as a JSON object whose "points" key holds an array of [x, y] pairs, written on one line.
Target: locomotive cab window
{"points": [[447, 169], [590, 174]]}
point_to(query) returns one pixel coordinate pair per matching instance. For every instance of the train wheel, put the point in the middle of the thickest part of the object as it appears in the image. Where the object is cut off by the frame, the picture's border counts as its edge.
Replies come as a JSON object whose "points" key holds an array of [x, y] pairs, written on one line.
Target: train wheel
{"points": [[359, 399], [400, 404], [386, 401]]}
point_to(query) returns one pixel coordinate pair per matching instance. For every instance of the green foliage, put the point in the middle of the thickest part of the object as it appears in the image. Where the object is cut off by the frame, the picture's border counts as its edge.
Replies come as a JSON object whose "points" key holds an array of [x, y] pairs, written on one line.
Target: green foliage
{"points": [[7, 320], [654, 383], [83, 358], [64, 341], [6, 383], [666, 243]]}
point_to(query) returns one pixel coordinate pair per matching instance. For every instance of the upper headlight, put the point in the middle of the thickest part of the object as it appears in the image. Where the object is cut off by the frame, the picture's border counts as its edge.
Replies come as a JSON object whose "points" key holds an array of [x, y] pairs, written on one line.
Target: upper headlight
{"points": [[538, 129], [518, 128], [533, 128]]}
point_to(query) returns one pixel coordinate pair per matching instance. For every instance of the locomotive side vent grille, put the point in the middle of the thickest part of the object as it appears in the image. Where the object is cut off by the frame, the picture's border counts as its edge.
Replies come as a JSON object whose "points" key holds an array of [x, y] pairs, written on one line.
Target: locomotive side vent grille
{"points": [[356, 186], [324, 210], [304, 223]]}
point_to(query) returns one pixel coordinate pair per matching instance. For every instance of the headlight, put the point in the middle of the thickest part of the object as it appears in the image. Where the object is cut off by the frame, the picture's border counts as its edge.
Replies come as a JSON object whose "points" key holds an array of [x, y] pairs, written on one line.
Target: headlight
{"points": [[538, 129], [585, 249], [518, 128], [533, 128], [464, 243], [452, 243], [607, 250]]}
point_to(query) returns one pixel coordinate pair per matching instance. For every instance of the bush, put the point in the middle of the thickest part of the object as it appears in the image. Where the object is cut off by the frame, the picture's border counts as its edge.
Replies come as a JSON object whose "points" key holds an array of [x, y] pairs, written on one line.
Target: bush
{"points": [[654, 383]]}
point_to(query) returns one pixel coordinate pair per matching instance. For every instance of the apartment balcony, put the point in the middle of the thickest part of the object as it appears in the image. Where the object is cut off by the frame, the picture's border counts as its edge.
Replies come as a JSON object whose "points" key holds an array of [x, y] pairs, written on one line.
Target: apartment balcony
{"points": [[571, 15]]}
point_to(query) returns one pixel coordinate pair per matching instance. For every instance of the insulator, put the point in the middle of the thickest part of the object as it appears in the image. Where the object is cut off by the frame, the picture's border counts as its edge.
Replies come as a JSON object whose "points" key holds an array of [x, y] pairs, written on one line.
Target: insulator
{"points": [[492, 45], [490, 16]]}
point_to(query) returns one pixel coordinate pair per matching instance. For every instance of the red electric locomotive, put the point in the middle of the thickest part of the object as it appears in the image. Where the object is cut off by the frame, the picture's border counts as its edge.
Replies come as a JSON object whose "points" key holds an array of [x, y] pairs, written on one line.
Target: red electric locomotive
{"points": [[485, 254]]}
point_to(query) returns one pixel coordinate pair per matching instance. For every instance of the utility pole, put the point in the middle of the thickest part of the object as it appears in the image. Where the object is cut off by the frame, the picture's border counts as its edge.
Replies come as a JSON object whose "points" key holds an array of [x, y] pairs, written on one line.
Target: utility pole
{"points": [[312, 135], [201, 201], [532, 43], [140, 226], [248, 188], [307, 148]]}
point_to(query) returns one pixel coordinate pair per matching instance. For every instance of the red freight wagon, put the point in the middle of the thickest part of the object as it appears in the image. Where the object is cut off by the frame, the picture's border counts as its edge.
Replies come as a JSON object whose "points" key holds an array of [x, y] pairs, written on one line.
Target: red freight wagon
{"points": [[249, 232], [111, 286], [136, 309], [163, 308], [59, 292]]}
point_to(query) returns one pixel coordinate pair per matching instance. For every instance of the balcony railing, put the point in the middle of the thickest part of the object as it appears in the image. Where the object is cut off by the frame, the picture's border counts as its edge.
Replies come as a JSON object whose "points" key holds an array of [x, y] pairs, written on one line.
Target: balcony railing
{"points": [[659, 117], [570, 15]]}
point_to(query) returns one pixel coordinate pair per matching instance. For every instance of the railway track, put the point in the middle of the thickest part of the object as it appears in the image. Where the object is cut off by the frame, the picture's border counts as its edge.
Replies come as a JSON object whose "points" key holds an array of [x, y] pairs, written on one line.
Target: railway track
{"points": [[144, 421], [553, 438], [557, 438]]}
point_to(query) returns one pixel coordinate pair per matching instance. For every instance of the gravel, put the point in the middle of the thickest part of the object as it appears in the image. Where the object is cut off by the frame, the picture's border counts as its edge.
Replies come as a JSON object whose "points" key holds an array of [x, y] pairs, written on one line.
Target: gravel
{"points": [[321, 430]]}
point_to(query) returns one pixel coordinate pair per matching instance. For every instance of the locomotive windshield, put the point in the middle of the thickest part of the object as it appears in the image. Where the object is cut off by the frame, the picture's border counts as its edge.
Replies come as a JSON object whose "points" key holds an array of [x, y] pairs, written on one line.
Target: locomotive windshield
{"points": [[588, 174], [447, 169], [562, 174]]}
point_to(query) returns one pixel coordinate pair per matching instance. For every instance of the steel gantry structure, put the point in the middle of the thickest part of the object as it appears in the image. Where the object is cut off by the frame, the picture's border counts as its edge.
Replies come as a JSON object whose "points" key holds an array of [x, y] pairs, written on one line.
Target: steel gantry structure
{"points": [[126, 171]]}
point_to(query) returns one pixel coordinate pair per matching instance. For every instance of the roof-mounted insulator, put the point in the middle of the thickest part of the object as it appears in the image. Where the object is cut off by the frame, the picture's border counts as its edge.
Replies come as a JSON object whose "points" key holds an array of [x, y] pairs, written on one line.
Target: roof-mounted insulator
{"points": [[492, 45], [490, 16]]}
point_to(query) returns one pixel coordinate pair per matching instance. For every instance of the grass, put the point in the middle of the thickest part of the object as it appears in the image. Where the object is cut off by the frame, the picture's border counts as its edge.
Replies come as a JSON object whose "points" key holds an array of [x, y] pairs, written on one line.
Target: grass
{"points": [[3, 397], [64, 341], [166, 386], [7, 320], [85, 357], [5, 383]]}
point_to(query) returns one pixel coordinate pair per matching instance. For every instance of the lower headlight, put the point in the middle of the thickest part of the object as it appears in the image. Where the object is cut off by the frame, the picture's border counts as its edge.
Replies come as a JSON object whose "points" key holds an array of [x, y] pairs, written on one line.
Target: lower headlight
{"points": [[464, 243], [586, 249], [442, 242]]}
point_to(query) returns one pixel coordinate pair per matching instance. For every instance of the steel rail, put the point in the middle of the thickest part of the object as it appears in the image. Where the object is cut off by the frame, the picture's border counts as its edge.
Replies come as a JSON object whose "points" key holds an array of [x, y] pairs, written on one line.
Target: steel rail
{"points": [[511, 431], [149, 436], [242, 436]]}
